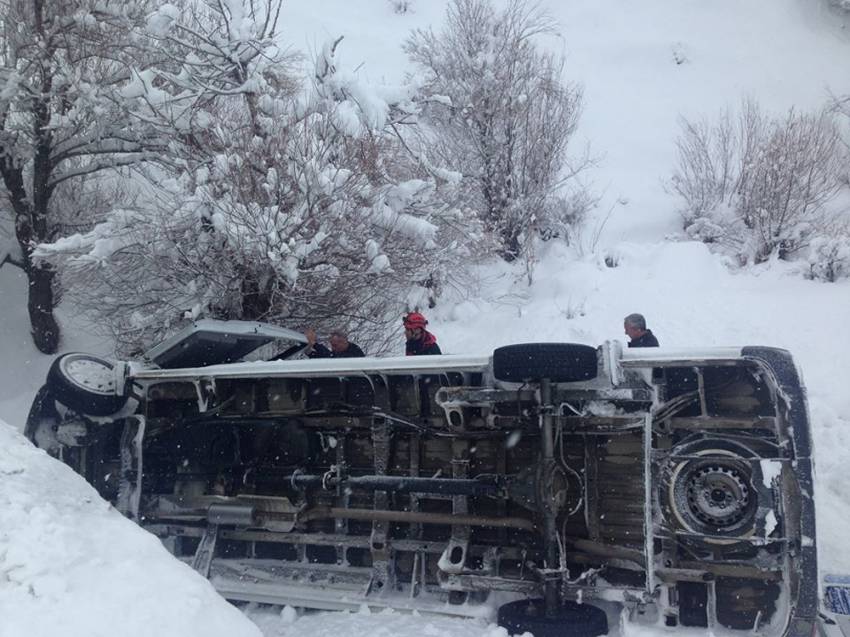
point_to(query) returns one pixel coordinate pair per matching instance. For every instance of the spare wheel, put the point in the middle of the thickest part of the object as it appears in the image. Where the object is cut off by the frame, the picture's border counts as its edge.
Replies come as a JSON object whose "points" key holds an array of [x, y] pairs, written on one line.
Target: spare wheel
{"points": [[559, 362]]}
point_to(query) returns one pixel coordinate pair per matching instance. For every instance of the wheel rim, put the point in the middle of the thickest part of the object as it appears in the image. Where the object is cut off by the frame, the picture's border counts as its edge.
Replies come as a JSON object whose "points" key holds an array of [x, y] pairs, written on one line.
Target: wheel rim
{"points": [[714, 496], [90, 374], [718, 495]]}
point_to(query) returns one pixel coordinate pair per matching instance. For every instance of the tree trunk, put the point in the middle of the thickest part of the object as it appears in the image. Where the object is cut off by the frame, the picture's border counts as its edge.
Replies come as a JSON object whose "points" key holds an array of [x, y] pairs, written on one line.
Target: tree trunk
{"points": [[30, 228], [256, 302], [510, 249], [45, 329]]}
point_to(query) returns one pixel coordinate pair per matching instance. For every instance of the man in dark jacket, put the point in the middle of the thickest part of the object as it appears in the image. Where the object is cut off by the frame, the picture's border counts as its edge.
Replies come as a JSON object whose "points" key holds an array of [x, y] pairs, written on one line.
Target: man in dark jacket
{"points": [[635, 326], [420, 342], [341, 347]]}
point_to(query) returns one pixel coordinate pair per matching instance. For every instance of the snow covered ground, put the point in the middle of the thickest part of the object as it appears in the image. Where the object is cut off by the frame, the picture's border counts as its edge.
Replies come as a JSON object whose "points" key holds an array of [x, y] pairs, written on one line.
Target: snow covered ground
{"points": [[70, 566]]}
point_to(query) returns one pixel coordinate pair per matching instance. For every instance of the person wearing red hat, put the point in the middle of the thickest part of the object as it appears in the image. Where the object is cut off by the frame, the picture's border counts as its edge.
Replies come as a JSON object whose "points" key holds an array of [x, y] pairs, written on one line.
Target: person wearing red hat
{"points": [[420, 342]]}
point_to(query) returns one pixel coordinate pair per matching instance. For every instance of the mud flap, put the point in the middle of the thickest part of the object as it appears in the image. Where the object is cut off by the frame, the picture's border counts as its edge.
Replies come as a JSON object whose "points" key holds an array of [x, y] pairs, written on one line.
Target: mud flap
{"points": [[835, 620], [130, 487], [836, 593]]}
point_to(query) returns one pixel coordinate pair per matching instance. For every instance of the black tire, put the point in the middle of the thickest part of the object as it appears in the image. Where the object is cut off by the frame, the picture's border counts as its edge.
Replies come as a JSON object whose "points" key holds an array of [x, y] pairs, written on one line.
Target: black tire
{"points": [[559, 362], [571, 619], [85, 384]]}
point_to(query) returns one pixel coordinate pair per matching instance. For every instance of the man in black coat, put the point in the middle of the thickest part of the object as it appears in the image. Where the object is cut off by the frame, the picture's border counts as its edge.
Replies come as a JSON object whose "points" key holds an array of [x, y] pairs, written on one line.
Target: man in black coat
{"points": [[340, 346], [635, 327]]}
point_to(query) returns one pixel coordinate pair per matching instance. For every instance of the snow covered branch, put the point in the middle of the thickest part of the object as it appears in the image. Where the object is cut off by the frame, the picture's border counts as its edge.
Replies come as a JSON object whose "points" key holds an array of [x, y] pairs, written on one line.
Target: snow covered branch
{"points": [[292, 202]]}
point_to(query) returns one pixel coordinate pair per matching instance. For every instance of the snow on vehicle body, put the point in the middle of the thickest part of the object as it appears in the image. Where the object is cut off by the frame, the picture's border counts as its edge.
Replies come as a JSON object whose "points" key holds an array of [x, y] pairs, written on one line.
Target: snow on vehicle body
{"points": [[674, 485]]}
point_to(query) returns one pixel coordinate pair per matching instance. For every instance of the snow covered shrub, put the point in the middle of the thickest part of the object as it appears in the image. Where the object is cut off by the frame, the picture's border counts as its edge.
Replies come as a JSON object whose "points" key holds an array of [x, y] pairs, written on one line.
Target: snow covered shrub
{"points": [[758, 186], [499, 113], [299, 207], [828, 258]]}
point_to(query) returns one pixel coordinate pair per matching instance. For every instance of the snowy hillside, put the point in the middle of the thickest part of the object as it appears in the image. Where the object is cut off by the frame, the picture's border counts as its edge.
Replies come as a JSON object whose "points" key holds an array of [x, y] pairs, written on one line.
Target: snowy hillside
{"points": [[642, 64], [72, 565]]}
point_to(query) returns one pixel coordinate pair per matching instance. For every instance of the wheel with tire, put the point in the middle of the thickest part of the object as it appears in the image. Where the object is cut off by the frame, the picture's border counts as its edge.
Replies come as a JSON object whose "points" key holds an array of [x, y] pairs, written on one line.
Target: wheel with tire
{"points": [[86, 384], [711, 487], [559, 362], [571, 619]]}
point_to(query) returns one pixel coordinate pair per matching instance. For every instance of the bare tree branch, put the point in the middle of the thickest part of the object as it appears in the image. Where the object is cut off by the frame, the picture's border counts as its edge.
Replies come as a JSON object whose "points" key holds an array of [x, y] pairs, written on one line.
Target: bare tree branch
{"points": [[761, 187], [503, 118]]}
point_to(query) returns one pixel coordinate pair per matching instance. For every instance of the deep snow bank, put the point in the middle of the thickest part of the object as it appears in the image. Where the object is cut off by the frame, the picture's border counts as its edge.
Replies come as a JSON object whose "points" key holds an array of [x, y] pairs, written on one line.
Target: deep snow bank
{"points": [[71, 565]]}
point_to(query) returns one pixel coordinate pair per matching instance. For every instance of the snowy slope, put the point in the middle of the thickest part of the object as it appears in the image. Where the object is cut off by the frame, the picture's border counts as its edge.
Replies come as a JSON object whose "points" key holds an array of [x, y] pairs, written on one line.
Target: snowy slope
{"points": [[71, 565], [643, 64]]}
